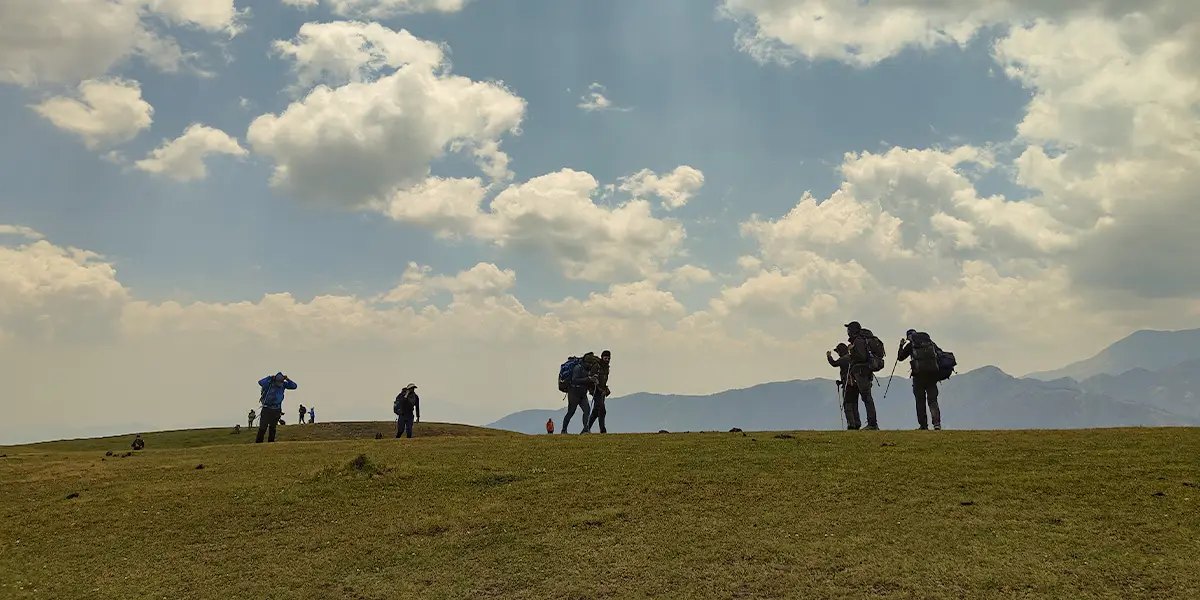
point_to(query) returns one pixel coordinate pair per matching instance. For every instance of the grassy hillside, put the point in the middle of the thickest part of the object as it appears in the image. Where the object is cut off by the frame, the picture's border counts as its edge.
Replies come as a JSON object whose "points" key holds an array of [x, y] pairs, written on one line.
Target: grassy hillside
{"points": [[952, 514], [192, 438]]}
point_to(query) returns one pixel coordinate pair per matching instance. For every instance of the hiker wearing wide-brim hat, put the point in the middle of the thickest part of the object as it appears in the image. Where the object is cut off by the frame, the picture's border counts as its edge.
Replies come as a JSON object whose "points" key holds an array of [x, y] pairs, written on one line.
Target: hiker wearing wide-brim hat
{"points": [[408, 410]]}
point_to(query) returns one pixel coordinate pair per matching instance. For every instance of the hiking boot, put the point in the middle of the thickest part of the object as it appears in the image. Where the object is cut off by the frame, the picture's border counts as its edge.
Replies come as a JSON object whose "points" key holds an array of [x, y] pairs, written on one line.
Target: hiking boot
{"points": [[851, 428], [923, 428], [871, 428], [937, 427]]}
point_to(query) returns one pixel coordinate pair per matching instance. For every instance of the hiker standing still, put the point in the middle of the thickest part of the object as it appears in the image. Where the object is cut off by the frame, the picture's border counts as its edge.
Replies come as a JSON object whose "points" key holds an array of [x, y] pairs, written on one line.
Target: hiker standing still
{"points": [[250, 419], [303, 411], [312, 415], [924, 368], [860, 378], [600, 393], [407, 408], [273, 387]]}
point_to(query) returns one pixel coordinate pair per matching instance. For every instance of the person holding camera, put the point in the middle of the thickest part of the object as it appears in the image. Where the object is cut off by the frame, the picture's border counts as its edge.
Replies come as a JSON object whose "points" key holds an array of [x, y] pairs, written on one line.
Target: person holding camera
{"points": [[273, 387]]}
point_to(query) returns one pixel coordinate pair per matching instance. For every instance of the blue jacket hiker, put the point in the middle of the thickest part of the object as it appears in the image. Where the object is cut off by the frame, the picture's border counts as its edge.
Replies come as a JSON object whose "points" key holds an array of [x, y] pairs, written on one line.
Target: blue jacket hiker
{"points": [[271, 398]]}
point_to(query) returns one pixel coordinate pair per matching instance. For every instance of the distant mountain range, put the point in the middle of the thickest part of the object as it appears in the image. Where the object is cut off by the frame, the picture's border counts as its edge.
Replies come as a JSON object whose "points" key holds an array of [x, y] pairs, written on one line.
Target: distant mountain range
{"points": [[1146, 349], [1115, 388]]}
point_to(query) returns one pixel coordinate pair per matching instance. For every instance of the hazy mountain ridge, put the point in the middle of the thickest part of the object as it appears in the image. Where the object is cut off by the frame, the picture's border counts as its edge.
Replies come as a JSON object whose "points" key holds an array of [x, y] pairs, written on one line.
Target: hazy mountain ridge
{"points": [[1146, 349]]}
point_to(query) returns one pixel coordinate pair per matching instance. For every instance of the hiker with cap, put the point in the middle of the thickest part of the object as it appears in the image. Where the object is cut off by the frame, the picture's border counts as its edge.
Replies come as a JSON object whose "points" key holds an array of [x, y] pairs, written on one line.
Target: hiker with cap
{"points": [[925, 367], [866, 357], [271, 398], [600, 392], [138, 442], [408, 409]]}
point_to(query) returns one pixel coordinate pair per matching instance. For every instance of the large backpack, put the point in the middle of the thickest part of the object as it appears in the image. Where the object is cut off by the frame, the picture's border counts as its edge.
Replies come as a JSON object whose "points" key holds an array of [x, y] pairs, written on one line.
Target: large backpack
{"points": [[875, 351], [946, 364], [924, 354], [564, 373]]}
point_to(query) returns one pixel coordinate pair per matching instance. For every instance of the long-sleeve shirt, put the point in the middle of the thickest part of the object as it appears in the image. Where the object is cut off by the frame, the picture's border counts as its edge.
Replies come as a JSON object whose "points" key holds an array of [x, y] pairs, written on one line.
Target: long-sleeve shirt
{"points": [[273, 396], [843, 365]]}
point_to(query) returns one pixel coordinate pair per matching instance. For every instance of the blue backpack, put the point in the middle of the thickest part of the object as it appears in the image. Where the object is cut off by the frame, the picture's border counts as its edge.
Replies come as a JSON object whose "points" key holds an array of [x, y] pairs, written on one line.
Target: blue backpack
{"points": [[564, 373]]}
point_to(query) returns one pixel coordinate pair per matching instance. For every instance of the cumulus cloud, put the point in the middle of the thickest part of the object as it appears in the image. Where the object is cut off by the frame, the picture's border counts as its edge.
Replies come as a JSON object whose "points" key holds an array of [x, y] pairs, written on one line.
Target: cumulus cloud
{"points": [[68, 41], [595, 100], [674, 188], [182, 158], [107, 112], [368, 139]]}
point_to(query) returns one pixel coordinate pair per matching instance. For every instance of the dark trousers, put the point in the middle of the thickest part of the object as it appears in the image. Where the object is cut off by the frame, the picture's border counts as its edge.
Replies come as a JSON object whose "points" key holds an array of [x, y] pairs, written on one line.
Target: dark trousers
{"points": [[577, 398], [598, 413], [853, 393], [925, 390], [268, 419], [300, 421], [249, 423], [404, 426]]}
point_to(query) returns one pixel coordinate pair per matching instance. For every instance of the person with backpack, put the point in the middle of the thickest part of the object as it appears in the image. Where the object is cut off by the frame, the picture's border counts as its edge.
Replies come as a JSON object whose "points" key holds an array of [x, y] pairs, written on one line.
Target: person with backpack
{"points": [[866, 358], [273, 387], [312, 415], [549, 426], [138, 442], [926, 372], [250, 419], [408, 409], [303, 411], [600, 392], [575, 379]]}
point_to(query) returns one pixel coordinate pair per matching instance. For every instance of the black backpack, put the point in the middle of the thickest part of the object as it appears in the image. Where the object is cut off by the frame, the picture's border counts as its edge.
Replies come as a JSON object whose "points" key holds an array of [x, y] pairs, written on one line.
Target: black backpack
{"points": [[925, 353], [875, 351]]}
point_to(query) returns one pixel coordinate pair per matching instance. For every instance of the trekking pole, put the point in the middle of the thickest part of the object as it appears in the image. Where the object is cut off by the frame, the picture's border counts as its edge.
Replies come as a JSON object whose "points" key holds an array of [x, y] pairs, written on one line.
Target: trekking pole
{"points": [[841, 413], [889, 384]]}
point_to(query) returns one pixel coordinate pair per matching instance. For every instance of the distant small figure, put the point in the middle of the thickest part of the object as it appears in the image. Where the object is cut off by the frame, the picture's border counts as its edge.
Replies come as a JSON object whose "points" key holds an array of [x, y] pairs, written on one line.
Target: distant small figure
{"points": [[312, 416], [408, 409], [237, 429], [250, 419], [549, 425], [303, 411], [378, 436], [138, 442]]}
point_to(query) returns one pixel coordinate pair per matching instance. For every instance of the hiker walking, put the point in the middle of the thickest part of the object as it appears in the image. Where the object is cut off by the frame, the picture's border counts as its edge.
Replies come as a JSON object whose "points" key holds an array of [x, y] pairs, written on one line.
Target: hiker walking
{"points": [[866, 356], [312, 415], [578, 383], [303, 411], [408, 409], [600, 392], [250, 419], [925, 367], [273, 387]]}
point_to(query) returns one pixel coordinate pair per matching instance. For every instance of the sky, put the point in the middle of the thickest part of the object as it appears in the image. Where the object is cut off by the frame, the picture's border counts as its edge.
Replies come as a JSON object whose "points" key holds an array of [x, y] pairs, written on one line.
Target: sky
{"points": [[462, 193]]}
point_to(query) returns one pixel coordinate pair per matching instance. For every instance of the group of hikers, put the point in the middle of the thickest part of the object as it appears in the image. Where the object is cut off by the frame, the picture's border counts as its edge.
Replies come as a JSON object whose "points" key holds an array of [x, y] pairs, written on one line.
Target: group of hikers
{"points": [[407, 407], [577, 377], [310, 412], [863, 355], [858, 359]]}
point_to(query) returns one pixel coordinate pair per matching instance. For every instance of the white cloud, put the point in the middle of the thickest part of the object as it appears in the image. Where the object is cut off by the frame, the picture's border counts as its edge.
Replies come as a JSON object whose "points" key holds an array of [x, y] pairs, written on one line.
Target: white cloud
{"points": [[484, 280], [674, 188], [21, 230], [108, 112], [381, 9], [182, 158], [595, 100], [68, 41], [341, 52], [360, 143]]}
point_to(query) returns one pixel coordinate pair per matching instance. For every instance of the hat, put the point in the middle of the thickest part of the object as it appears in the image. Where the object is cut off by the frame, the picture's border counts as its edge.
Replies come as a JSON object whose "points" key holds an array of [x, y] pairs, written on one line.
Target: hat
{"points": [[605, 353], [909, 332], [411, 386], [852, 325]]}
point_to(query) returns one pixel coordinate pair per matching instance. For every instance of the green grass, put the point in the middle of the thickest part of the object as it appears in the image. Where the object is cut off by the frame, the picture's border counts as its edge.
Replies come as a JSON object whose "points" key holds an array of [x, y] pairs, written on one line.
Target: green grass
{"points": [[317, 432], [1066, 514]]}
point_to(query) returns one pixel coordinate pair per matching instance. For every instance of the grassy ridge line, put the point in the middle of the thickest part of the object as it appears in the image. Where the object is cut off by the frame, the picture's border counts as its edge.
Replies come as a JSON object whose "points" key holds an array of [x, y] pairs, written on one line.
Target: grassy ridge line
{"points": [[1100, 514], [218, 436]]}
